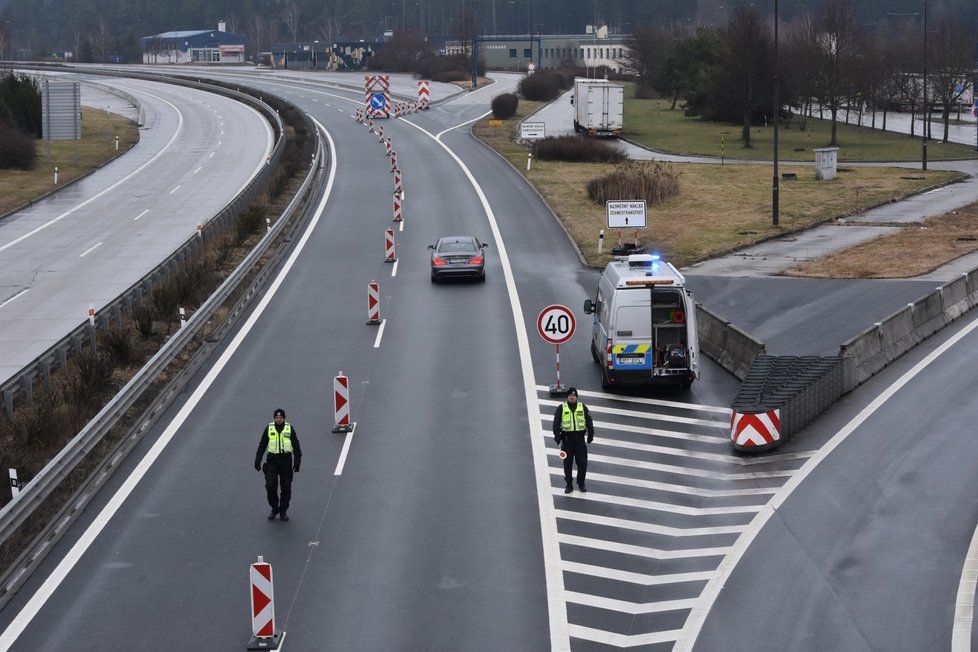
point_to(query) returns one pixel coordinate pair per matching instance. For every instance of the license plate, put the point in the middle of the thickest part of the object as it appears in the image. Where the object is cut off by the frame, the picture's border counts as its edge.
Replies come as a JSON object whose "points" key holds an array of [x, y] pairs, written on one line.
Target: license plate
{"points": [[457, 261], [631, 359]]}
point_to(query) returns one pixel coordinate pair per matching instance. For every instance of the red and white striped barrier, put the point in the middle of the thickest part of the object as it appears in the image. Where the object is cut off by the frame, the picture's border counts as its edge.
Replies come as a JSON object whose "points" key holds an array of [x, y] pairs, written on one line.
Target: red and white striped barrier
{"points": [[373, 303], [389, 146], [424, 93], [341, 403], [370, 124], [397, 208], [377, 85], [390, 246], [393, 160], [749, 431], [398, 188], [263, 608], [358, 116], [380, 135]]}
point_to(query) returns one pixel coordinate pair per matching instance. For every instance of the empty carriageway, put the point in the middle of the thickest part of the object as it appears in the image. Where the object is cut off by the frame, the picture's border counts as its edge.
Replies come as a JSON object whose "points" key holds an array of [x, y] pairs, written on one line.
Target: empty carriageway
{"points": [[667, 500]]}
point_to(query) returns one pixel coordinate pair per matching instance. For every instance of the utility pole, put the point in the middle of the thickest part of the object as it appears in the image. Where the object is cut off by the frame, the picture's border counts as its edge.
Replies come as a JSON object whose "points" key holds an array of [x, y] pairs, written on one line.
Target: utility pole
{"points": [[776, 189], [923, 136]]}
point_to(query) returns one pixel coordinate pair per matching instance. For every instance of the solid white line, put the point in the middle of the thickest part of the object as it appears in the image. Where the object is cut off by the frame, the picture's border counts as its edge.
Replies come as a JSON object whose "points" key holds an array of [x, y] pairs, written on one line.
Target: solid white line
{"points": [[672, 488], [140, 215], [16, 296], [212, 155], [635, 578], [176, 189], [682, 470], [964, 603], [198, 169], [622, 640], [624, 606], [394, 266], [652, 528], [641, 551], [696, 619], [660, 507], [346, 450], [53, 581], [556, 607], [88, 251], [654, 416], [114, 185], [380, 333], [646, 401]]}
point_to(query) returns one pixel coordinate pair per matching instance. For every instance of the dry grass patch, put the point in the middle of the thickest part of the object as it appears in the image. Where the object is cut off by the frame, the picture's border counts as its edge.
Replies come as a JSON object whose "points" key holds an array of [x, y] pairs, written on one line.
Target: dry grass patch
{"points": [[916, 249], [97, 146]]}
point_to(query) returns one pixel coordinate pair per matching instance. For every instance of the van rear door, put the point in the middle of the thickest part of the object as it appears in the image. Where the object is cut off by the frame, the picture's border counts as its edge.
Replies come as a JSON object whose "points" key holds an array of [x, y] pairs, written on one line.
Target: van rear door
{"points": [[632, 337]]}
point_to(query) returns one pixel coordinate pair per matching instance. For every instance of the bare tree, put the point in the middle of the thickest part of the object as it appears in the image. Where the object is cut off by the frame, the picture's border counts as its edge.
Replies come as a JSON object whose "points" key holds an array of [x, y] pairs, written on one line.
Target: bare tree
{"points": [[290, 18], [101, 38], [745, 64], [803, 60], [233, 22], [837, 53], [76, 35], [4, 43], [952, 65], [641, 56], [256, 28]]}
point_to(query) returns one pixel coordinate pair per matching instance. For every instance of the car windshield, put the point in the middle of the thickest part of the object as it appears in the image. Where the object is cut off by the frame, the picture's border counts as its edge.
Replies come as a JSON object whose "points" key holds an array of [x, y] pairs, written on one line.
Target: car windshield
{"points": [[457, 246]]}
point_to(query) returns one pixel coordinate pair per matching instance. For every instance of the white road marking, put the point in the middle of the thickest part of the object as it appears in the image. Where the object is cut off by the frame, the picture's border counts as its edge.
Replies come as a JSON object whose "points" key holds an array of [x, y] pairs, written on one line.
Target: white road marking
{"points": [[647, 401], [671, 487], [394, 268], [401, 227], [15, 297], [651, 528], [654, 416], [212, 155], [176, 189], [140, 215], [198, 169], [622, 640], [635, 578], [634, 608], [341, 110], [641, 551], [88, 251], [114, 185], [694, 624], [57, 576], [557, 608], [660, 507], [380, 333], [658, 432], [964, 604], [682, 470], [346, 451]]}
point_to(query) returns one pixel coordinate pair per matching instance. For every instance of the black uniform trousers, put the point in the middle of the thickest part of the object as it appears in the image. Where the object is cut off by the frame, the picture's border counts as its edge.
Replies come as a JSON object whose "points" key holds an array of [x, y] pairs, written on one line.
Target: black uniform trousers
{"points": [[278, 468], [575, 446]]}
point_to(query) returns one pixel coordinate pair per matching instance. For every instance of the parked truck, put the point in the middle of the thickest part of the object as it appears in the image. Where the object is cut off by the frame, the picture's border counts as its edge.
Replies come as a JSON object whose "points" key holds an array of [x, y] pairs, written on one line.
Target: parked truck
{"points": [[598, 107]]}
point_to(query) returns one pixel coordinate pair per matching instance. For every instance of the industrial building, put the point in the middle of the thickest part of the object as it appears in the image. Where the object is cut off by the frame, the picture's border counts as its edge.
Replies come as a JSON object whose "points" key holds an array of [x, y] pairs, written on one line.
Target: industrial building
{"points": [[594, 49], [345, 56], [194, 46]]}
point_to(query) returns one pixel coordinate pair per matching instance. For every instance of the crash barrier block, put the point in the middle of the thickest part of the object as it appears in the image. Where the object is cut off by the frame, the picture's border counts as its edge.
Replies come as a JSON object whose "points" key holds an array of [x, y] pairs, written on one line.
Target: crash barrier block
{"points": [[972, 277], [779, 396], [897, 335], [928, 315], [863, 356], [729, 346], [954, 298]]}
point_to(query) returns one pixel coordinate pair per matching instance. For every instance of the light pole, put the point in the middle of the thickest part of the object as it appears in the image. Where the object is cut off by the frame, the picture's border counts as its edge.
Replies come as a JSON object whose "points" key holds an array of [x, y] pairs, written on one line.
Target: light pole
{"points": [[776, 189], [923, 136]]}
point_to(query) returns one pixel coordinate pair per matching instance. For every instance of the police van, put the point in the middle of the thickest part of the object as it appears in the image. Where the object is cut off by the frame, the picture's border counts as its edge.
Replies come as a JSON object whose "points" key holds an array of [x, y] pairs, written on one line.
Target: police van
{"points": [[644, 329]]}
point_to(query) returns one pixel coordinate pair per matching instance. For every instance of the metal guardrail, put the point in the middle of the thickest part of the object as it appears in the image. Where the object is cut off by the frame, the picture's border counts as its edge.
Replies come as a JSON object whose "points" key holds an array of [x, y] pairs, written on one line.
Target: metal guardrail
{"points": [[16, 512], [83, 335]]}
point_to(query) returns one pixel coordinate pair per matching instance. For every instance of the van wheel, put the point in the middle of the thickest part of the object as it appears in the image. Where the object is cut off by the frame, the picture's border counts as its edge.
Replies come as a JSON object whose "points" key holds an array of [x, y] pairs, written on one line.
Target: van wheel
{"points": [[685, 385], [594, 353], [605, 383]]}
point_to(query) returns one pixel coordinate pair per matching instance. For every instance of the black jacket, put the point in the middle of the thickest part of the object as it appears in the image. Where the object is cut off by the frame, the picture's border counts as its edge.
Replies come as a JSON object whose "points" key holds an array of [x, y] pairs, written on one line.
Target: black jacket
{"points": [[263, 444], [558, 415]]}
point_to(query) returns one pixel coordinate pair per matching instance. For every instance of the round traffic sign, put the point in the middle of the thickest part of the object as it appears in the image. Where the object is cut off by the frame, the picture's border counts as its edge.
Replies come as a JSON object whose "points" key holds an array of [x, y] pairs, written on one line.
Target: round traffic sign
{"points": [[556, 324], [378, 101]]}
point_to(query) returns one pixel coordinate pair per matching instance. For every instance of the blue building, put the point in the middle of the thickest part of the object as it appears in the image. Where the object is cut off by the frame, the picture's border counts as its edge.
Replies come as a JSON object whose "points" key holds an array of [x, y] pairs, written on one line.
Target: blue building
{"points": [[194, 46]]}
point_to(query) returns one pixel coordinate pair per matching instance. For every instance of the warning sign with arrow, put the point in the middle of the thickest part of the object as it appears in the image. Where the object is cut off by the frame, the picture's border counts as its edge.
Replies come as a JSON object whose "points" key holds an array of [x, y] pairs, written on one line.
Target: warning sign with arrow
{"points": [[626, 214]]}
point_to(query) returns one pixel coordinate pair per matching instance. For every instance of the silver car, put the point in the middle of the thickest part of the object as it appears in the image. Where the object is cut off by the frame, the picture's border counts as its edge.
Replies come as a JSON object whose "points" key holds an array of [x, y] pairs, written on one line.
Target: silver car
{"points": [[458, 256]]}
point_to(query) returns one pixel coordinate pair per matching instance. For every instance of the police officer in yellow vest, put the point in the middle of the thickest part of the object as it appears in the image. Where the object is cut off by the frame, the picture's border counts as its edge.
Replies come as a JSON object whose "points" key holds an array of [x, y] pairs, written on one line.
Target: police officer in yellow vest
{"points": [[282, 443], [572, 424]]}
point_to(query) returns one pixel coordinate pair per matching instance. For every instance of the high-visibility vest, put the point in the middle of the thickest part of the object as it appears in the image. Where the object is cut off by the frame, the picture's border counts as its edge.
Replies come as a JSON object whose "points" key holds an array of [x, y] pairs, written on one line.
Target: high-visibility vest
{"points": [[573, 420], [280, 442]]}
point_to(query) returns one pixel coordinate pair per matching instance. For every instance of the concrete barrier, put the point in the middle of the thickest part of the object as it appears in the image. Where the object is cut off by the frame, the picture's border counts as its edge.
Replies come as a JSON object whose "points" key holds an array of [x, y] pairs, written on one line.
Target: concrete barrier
{"points": [[729, 346], [972, 277], [897, 335], [862, 357], [928, 315], [954, 298]]}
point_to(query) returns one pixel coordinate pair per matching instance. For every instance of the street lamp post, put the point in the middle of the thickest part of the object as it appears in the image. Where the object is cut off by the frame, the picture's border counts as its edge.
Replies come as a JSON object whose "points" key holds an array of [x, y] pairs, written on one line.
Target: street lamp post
{"points": [[776, 189], [923, 135]]}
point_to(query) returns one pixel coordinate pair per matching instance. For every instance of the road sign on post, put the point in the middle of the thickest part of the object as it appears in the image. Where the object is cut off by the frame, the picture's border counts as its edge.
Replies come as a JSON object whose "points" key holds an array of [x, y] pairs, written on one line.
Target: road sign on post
{"points": [[533, 130], [530, 69], [626, 214], [556, 325]]}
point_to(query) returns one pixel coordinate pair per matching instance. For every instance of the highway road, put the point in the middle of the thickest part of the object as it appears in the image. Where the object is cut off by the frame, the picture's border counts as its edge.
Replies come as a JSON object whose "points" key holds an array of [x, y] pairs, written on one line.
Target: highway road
{"points": [[87, 243], [445, 525]]}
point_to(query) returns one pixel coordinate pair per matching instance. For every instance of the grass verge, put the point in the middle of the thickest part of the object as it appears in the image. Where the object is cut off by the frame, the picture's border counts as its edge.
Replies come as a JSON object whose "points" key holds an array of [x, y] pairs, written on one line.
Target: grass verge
{"points": [[652, 124], [95, 149], [914, 250], [719, 208]]}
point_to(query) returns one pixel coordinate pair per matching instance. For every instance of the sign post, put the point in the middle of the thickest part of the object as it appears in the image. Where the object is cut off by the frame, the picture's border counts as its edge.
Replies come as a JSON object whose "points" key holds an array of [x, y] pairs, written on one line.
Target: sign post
{"points": [[556, 325]]}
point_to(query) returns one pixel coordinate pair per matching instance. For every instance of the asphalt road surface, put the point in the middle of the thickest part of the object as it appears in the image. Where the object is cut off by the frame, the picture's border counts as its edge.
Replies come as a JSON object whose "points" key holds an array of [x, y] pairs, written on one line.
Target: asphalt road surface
{"points": [[86, 244]]}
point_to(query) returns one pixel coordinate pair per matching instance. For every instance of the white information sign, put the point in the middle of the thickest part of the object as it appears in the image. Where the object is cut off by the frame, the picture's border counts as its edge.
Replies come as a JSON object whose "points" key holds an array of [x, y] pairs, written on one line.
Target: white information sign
{"points": [[626, 214], [533, 130]]}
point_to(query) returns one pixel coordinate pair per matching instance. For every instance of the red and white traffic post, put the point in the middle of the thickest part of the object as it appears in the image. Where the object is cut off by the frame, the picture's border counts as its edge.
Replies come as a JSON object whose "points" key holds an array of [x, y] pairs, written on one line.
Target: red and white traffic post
{"points": [[263, 608], [556, 325], [341, 403], [380, 135], [390, 146], [390, 246], [398, 188], [373, 303], [370, 123], [397, 208], [393, 160]]}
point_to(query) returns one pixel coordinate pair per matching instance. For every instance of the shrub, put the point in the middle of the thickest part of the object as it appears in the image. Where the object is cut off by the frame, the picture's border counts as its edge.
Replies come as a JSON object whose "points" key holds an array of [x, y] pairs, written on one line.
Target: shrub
{"points": [[93, 377], [117, 343], [654, 183], [504, 106], [248, 223], [142, 319], [20, 103], [576, 148], [645, 93], [449, 76], [543, 86], [17, 151]]}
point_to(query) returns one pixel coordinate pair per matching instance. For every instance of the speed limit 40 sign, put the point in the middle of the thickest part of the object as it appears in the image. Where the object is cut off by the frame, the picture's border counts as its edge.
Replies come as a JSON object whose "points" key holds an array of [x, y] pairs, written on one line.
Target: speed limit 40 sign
{"points": [[556, 324]]}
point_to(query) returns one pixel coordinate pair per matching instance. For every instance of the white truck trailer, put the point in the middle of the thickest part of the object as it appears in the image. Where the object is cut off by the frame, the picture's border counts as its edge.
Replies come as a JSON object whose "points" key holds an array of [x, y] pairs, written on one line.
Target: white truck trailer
{"points": [[598, 107]]}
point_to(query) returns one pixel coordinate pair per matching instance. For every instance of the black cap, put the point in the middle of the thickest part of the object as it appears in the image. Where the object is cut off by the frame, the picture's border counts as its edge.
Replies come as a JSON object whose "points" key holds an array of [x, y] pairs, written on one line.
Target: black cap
{"points": [[572, 390], [280, 413]]}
